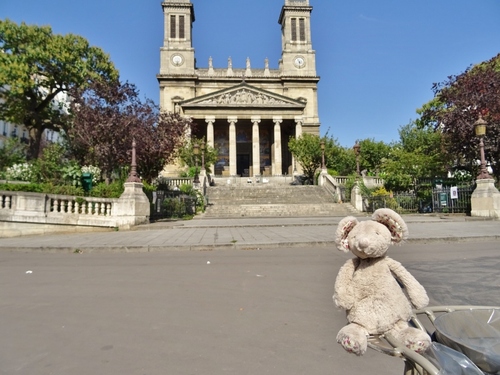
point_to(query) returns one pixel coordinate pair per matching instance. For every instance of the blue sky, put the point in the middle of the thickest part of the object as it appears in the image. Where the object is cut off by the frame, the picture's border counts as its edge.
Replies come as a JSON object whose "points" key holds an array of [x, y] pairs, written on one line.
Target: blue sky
{"points": [[377, 59]]}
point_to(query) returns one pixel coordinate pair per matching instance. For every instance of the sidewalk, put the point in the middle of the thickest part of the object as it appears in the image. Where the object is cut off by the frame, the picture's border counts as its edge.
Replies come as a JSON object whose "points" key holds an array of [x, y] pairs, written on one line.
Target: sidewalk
{"points": [[245, 233]]}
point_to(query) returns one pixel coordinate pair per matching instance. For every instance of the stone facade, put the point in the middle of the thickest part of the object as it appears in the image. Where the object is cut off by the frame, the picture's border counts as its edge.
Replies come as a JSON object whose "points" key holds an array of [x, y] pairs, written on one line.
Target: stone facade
{"points": [[248, 114]]}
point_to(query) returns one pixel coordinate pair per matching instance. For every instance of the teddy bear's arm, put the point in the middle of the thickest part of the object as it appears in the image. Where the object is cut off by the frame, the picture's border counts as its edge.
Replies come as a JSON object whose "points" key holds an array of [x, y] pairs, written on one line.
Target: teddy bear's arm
{"points": [[416, 292], [343, 291]]}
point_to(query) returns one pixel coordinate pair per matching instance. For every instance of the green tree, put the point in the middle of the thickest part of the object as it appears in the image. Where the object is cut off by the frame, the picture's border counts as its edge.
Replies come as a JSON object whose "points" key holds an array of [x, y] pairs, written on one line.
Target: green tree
{"points": [[340, 161], [372, 154], [37, 68], [417, 155], [188, 158], [307, 152]]}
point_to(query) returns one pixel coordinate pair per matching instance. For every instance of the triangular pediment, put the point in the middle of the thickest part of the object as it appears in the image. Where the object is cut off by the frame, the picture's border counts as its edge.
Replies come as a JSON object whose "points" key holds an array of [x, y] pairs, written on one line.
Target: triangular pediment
{"points": [[243, 96]]}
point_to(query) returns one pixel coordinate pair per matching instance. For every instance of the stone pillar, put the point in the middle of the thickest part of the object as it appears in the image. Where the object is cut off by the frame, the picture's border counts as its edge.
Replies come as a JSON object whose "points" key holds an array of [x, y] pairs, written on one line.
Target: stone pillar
{"points": [[210, 135], [255, 146], [277, 162], [232, 144], [133, 207], [485, 200], [297, 168]]}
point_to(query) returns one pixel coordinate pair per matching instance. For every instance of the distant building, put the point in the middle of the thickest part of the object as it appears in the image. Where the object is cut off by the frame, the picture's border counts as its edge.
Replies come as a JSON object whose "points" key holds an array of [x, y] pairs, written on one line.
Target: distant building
{"points": [[248, 113], [9, 130]]}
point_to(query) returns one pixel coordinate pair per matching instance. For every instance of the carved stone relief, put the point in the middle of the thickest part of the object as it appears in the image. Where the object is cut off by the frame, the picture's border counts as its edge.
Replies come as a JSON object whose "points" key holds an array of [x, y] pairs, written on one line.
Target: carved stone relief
{"points": [[244, 96]]}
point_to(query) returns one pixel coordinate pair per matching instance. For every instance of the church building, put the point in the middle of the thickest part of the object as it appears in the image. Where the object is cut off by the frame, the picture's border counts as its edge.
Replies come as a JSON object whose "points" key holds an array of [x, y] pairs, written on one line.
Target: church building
{"points": [[248, 114]]}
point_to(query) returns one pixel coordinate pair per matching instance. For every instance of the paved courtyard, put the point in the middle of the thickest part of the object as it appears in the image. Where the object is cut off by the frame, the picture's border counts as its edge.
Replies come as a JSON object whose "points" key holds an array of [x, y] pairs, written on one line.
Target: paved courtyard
{"points": [[266, 311]]}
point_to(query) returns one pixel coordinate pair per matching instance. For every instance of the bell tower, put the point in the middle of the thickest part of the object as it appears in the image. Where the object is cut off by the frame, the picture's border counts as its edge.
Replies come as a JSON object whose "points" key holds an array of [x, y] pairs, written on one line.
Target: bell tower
{"points": [[297, 56], [177, 53]]}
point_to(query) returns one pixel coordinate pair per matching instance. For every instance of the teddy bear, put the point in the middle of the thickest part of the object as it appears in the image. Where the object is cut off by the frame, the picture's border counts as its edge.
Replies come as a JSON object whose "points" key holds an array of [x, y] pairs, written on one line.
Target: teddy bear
{"points": [[377, 292]]}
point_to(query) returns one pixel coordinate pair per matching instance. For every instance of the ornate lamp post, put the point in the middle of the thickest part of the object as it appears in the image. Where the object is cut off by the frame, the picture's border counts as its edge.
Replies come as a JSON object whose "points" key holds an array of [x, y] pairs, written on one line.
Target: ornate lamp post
{"points": [[196, 151], [357, 151], [480, 130], [132, 176], [322, 144]]}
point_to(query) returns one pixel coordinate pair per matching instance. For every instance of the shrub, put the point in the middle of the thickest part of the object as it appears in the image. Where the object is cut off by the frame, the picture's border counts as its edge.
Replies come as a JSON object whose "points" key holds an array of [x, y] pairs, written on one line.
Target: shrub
{"points": [[381, 197], [12, 152], [50, 188], [20, 172], [103, 190], [30, 188], [49, 167], [72, 174], [94, 171]]}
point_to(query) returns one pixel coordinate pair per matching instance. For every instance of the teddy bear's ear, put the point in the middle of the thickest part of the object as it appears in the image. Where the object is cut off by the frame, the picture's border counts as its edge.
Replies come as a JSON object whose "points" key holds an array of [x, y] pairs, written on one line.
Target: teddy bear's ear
{"points": [[345, 226], [393, 222]]}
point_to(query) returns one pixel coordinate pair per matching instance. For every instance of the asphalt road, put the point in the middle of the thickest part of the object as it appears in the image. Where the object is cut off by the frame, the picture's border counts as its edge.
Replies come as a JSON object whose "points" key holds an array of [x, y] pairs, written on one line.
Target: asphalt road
{"points": [[251, 312]]}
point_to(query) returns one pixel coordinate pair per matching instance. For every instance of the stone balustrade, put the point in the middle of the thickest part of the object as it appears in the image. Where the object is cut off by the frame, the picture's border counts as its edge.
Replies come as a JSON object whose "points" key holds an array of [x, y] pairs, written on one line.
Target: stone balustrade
{"points": [[32, 213], [336, 186]]}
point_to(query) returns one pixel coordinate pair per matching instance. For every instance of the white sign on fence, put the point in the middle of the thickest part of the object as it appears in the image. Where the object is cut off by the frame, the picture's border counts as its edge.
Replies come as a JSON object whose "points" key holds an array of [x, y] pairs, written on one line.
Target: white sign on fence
{"points": [[454, 192]]}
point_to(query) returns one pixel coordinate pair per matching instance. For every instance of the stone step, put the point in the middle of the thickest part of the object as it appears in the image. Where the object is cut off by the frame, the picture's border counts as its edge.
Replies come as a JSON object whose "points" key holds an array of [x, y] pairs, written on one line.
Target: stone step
{"points": [[275, 210], [273, 200], [271, 194]]}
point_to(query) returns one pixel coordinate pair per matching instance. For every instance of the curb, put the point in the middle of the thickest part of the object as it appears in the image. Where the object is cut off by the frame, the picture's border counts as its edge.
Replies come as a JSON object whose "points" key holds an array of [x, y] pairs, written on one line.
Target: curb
{"points": [[218, 247]]}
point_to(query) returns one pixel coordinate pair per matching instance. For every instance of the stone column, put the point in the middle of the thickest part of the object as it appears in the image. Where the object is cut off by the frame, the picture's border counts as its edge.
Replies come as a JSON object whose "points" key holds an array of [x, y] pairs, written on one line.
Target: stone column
{"points": [[255, 145], [277, 162], [298, 126], [297, 168], [210, 135], [232, 144], [210, 130]]}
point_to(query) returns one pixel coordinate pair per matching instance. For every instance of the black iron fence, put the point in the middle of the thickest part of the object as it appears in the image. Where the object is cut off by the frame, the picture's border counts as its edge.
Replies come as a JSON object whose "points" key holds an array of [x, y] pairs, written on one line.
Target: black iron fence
{"points": [[402, 202], [172, 204], [439, 198], [452, 199]]}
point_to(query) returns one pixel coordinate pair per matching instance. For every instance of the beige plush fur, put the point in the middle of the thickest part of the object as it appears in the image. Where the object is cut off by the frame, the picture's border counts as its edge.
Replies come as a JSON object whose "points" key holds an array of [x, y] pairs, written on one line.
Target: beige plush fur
{"points": [[377, 292]]}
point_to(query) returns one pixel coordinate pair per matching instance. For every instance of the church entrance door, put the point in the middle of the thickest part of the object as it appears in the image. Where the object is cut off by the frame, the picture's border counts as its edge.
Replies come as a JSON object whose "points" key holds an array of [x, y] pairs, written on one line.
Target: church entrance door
{"points": [[243, 165], [243, 158]]}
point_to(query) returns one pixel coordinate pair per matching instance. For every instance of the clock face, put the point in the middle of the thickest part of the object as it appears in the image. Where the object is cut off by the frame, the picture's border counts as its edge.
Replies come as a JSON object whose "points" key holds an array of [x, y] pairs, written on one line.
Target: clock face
{"points": [[177, 60], [299, 62]]}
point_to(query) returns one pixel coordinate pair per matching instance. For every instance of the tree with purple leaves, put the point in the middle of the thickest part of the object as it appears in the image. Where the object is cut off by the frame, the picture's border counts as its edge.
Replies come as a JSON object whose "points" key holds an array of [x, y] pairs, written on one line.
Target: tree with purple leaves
{"points": [[457, 105], [107, 117]]}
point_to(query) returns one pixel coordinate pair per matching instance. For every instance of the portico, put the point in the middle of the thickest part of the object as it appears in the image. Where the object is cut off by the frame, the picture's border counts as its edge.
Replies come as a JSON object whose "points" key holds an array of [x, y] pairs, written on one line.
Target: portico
{"points": [[249, 127]]}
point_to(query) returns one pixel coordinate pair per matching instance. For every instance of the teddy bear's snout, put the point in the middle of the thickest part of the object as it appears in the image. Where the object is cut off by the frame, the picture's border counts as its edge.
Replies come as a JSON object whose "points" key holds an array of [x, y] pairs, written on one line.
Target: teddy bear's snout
{"points": [[363, 243], [366, 248]]}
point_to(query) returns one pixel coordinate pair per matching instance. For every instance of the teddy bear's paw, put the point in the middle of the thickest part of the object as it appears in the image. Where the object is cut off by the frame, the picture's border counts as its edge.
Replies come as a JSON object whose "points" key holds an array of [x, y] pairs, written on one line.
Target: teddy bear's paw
{"points": [[351, 343], [419, 346]]}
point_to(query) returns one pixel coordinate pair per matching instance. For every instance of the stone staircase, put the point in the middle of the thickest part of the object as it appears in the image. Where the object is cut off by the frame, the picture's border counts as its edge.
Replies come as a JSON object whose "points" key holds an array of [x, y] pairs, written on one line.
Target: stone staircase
{"points": [[272, 200]]}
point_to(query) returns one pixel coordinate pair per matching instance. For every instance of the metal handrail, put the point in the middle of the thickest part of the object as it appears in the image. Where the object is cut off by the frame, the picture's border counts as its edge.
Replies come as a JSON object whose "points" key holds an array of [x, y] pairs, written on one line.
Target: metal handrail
{"points": [[416, 363]]}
